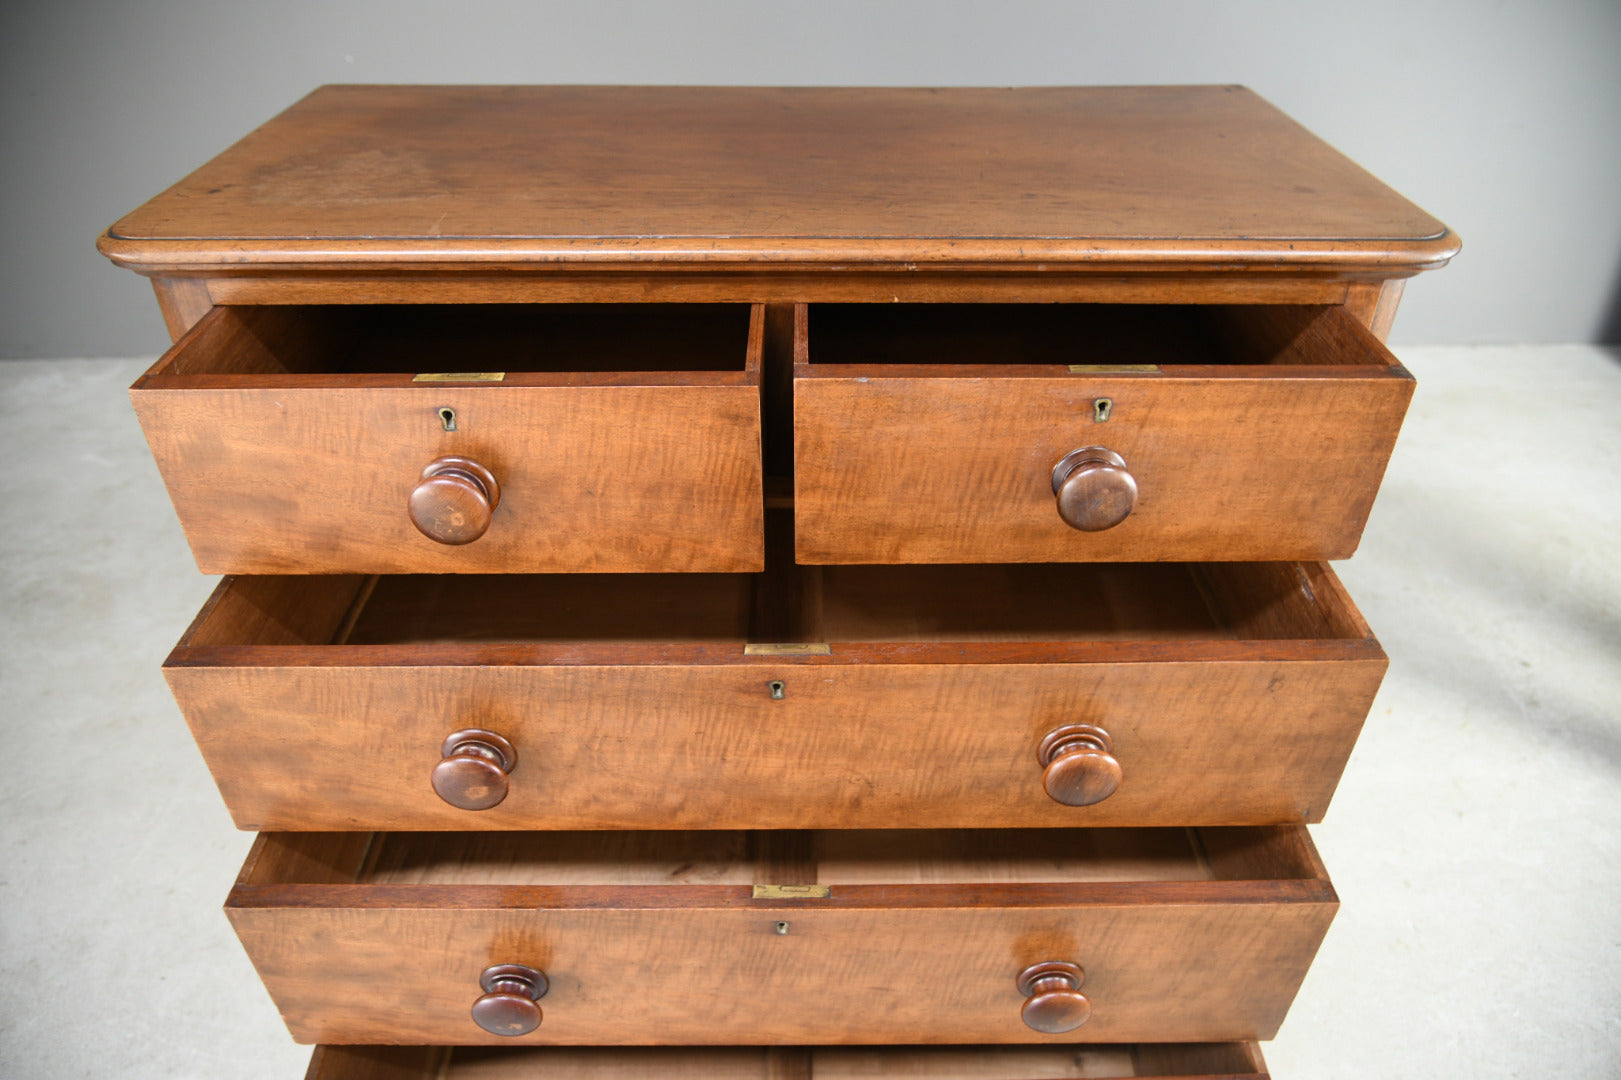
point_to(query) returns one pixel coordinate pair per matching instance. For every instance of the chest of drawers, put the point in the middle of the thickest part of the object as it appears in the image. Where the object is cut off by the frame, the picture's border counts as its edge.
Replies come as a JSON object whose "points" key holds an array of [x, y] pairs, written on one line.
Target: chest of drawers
{"points": [[777, 583]]}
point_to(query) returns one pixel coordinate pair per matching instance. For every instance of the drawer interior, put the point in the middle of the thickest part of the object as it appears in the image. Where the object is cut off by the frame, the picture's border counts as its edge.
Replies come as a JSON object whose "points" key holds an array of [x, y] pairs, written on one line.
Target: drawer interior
{"points": [[965, 857], [271, 340], [1041, 602], [1165, 335], [1207, 1060], [1077, 602], [649, 608]]}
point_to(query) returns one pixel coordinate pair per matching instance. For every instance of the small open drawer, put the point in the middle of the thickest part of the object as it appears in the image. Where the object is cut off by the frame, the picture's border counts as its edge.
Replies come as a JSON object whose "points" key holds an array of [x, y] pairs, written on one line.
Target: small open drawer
{"points": [[947, 433], [465, 438], [1142, 1061], [784, 938], [838, 697]]}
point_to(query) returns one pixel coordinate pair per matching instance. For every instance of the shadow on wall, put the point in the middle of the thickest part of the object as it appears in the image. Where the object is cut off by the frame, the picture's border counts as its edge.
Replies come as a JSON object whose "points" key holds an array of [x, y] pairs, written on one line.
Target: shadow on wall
{"points": [[1609, 330]]}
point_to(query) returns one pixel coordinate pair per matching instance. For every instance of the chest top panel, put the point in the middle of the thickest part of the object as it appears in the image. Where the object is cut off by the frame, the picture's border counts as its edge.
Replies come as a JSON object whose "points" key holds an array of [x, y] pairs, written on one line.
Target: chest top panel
{"points": [[1169, 177]]}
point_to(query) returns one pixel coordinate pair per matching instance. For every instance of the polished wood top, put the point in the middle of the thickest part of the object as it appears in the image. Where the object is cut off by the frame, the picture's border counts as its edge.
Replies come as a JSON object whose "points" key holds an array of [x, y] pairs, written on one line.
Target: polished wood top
{"points": [[1196, 177]]}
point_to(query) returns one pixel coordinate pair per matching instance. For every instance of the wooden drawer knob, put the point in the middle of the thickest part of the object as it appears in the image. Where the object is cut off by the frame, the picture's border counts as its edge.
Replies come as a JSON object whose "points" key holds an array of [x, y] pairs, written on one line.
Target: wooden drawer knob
{"points": [[1055, 1003], [508, 1005], [473, 771], [1094, 489], [1079, 766], [454, 501]]}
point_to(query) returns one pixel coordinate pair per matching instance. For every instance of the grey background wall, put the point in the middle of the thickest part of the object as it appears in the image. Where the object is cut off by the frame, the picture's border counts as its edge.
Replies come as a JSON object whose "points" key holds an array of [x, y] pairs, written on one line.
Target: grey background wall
{"points": [[1501, 117]]}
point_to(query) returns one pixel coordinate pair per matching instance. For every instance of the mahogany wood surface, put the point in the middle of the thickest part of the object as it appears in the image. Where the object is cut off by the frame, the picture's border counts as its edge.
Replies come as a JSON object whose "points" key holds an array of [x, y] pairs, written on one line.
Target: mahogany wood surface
{"points": [[1185, 1061], [1143, 911], [702, 285], [183, 301], [623, 439], [1231, 694], [1384, 311], [1374, 304], [929, 435], [398, 176]]}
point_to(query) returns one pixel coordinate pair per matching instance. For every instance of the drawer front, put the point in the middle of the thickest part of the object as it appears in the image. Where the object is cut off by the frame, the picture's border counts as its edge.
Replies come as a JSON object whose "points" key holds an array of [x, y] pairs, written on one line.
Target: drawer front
{"points": [[847, 745], [642, 706], [935, 463], [586, 471], [1158, 960], [1133, 1061]]}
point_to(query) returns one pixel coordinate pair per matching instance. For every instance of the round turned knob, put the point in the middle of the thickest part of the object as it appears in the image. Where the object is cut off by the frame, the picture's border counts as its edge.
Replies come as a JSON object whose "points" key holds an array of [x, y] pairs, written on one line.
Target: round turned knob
{"points": [[1079, 766], [473, 772], [508, 1005], [453, 502], [1056, 1003], [1094, 489]]}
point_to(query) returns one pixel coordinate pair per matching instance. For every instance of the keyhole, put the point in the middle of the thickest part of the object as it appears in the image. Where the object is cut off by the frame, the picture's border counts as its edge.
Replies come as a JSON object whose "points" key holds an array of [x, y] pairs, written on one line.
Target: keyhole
{"points": [[778, 688], [782, 928], [1101, 409], [447, 418]]}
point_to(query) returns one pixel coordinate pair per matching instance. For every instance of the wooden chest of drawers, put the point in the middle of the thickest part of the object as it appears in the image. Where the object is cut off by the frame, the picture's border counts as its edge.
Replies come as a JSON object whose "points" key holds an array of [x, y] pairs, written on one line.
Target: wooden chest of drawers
{"points": [[777, 583]]}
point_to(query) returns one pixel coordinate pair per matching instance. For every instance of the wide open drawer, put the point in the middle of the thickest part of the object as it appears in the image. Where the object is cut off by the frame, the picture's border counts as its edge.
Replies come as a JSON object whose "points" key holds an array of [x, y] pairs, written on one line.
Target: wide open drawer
{"points": [[1048, 695], [1159, 1061], [948, 433], [463, 438], [676, 938]]}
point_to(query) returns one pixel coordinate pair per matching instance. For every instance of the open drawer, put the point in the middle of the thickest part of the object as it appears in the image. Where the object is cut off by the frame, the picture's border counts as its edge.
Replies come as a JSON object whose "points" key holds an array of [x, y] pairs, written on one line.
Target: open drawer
{"points": [[463, 438], [949, 433], [1146, 1061], [790, 938], [835, 697]]}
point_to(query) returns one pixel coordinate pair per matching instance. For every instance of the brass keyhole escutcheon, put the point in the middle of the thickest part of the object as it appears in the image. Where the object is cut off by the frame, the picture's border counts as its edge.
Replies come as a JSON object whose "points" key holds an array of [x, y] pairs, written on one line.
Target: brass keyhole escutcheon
{"points": [[1101, 408], [447, 418], [777, 689]]}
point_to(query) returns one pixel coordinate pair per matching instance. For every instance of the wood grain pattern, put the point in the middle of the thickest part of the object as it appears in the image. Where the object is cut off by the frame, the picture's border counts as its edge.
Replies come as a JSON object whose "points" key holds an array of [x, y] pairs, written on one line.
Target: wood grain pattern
{"points": [[380, 1063], [183, 301], [276, 611], [1225, 1059], [314, 858], [914, 459], [526, 285], [711, 857], [1374, 304], [1159, 1061], [1230, 952], [612, 176], [1384, 312], [284, 451], [1233, 695], [1188, 1061]]}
